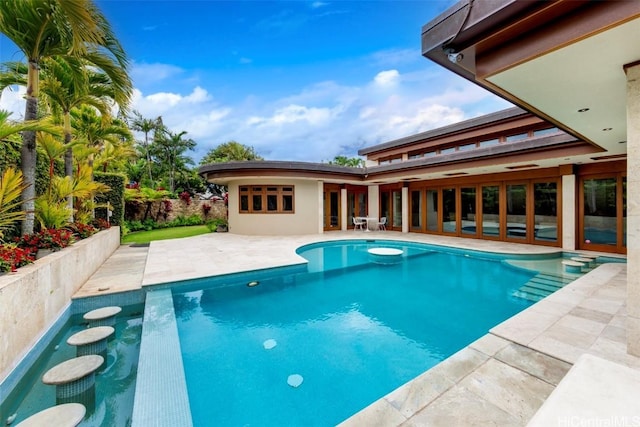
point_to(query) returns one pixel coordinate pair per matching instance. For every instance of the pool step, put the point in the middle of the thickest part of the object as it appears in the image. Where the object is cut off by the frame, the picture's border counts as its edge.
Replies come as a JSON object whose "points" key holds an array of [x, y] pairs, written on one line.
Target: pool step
{"points": [[541, 285]]}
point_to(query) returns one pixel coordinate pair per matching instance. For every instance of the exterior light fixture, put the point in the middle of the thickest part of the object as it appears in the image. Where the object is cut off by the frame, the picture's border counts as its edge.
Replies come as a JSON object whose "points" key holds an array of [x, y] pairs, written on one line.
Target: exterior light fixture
{"points": [[607, 129], [453, 56], [583, 110]]}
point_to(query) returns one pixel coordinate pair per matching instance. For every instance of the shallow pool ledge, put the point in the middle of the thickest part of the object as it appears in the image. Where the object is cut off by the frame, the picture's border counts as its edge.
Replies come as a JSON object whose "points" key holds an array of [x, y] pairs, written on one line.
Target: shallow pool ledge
{"points": [[161, 397]]}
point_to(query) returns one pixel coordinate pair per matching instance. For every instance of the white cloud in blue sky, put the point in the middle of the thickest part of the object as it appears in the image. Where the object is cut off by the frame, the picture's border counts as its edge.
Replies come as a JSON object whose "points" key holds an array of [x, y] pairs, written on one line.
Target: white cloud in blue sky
{"points": [[276, 77]]}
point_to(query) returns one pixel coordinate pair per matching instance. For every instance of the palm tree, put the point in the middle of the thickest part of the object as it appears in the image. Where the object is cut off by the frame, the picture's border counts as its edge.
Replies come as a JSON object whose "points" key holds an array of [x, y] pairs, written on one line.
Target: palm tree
{"points": [[96, 131], [70, 82], [146, 126], [169, 149], [43, 29], [114, 156]]}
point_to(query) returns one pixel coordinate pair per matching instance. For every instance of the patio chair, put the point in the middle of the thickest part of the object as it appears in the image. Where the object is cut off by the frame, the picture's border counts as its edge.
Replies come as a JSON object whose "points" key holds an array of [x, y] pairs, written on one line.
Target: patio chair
{"points": [[358, 223], [382, 224]]}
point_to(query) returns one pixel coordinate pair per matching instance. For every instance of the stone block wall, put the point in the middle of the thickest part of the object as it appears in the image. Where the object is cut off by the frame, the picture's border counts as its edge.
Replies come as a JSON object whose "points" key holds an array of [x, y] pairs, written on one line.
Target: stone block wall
{"points": [[180, 208]]}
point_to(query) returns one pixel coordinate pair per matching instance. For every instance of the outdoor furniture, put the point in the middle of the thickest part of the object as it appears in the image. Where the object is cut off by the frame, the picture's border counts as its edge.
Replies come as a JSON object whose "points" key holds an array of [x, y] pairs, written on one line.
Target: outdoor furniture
{"points": [[382, 225], [91, 341], [105, 316], [65, 415], [73, 377], [372, 223], [358, 222]]}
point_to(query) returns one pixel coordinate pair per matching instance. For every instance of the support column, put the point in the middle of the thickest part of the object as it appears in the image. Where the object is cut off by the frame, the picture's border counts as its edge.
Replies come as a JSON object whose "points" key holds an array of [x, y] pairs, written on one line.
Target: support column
{"points": [[633, 208], [569, 216], [373, 201], [320, 207], [405, 209], [344, 220]]}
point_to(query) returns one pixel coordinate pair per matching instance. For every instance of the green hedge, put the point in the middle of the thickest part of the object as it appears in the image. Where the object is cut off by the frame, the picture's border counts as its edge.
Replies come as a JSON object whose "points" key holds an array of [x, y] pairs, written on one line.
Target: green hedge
{"points": [[115, 196]]}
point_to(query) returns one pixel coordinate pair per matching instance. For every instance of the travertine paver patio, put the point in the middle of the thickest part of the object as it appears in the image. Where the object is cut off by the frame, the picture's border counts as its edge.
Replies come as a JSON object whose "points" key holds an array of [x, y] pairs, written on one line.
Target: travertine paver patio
{"points": [[501, 379]]}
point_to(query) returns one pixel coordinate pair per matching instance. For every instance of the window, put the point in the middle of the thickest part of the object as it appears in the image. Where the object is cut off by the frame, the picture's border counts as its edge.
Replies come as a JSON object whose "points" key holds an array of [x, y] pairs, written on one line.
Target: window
{"points": [[448, 150], [517, 137], [430, 154], [542, 132], [266, 199], [466, 147], [390, 160], [488, 143]]}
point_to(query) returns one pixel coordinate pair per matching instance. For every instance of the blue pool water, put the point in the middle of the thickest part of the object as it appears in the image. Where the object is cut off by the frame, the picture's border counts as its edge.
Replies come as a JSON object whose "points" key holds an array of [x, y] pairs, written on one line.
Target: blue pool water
{"points": [[354, 330]]}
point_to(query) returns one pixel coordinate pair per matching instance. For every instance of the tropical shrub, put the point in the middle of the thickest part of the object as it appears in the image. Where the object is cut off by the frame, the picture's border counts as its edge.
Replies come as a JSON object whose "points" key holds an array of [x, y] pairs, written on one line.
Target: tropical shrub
{"points": [[81, 231], [12, 257], [11, 186], [48, 238], [114, 197]]}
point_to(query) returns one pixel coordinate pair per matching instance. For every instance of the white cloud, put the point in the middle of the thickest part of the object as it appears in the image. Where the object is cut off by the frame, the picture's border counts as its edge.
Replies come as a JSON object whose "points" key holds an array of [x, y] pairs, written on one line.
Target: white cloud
{"points": [[324, 119], [387, 78], [12, 100]]}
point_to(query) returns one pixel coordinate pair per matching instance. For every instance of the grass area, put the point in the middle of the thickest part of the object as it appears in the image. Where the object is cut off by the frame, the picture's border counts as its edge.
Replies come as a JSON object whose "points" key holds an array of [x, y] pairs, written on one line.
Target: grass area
{"points": [[164, 234]]}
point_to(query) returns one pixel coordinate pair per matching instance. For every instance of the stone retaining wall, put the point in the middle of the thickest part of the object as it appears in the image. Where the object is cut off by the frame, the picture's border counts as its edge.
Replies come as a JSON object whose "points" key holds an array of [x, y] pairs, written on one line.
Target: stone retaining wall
{"points": [[32, 298], [180, 208]]}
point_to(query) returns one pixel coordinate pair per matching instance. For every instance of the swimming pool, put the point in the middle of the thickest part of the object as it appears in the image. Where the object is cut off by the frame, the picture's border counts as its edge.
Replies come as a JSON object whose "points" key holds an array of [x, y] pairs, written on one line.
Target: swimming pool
{"points": [[350, 329]]}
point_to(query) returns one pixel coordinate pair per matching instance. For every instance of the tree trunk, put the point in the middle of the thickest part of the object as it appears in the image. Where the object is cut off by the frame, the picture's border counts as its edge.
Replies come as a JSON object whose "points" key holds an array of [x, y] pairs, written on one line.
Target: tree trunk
{"points": [[68, 159], [28, 151]]}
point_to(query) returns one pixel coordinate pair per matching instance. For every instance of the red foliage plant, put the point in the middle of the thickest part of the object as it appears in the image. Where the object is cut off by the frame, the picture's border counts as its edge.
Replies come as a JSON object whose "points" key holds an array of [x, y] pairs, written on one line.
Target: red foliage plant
{"points": [[185, 197], [206, 208], [12, 257]]}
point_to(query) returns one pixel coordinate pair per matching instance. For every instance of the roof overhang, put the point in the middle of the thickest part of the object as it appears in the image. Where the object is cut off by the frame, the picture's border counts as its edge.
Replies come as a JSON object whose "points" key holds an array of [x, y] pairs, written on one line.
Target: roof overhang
{"points": [[562, 60], [223, 173]]}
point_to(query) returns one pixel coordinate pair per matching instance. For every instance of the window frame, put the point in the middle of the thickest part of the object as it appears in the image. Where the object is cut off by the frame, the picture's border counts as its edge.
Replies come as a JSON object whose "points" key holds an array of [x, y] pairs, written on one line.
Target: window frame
{"points": [[265, 193]]}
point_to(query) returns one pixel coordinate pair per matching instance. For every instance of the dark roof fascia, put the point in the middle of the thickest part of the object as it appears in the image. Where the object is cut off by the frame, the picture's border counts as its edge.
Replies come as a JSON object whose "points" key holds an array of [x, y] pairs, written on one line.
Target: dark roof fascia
{"points": [[464, 24], [502, 150], [464, 125], [468, 21], [320, 168]]}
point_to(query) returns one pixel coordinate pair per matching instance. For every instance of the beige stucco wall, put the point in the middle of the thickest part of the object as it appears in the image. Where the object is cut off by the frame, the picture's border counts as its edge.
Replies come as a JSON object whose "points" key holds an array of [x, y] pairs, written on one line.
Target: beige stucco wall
{"points": [[633, 210], [305, 219], [32, 298]]}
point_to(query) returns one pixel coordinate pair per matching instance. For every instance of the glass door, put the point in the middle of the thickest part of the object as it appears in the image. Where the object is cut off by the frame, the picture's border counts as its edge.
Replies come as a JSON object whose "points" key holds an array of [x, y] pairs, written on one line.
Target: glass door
{"points": [[432, 210], [449, 221], [516, 211], [491, 211], [468, 208], [416, 210], [545, 211], [331, 204], [396, 219]]}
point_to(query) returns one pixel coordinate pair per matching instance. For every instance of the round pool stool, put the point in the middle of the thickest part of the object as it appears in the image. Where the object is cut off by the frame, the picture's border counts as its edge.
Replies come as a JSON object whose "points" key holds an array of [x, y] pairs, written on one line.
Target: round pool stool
{"points": [[66, 415], [91, 340], [385, 255], [105, 316], [73, 377]]}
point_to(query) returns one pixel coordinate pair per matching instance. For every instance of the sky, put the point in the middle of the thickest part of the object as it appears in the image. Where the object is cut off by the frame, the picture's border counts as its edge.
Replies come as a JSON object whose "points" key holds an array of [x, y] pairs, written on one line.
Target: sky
{"points": [[296, 80]]}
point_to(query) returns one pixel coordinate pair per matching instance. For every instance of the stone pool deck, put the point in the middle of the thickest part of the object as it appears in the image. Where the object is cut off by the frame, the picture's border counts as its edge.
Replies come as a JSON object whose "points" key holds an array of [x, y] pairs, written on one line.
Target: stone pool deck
{"points": [[501, 379]]}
